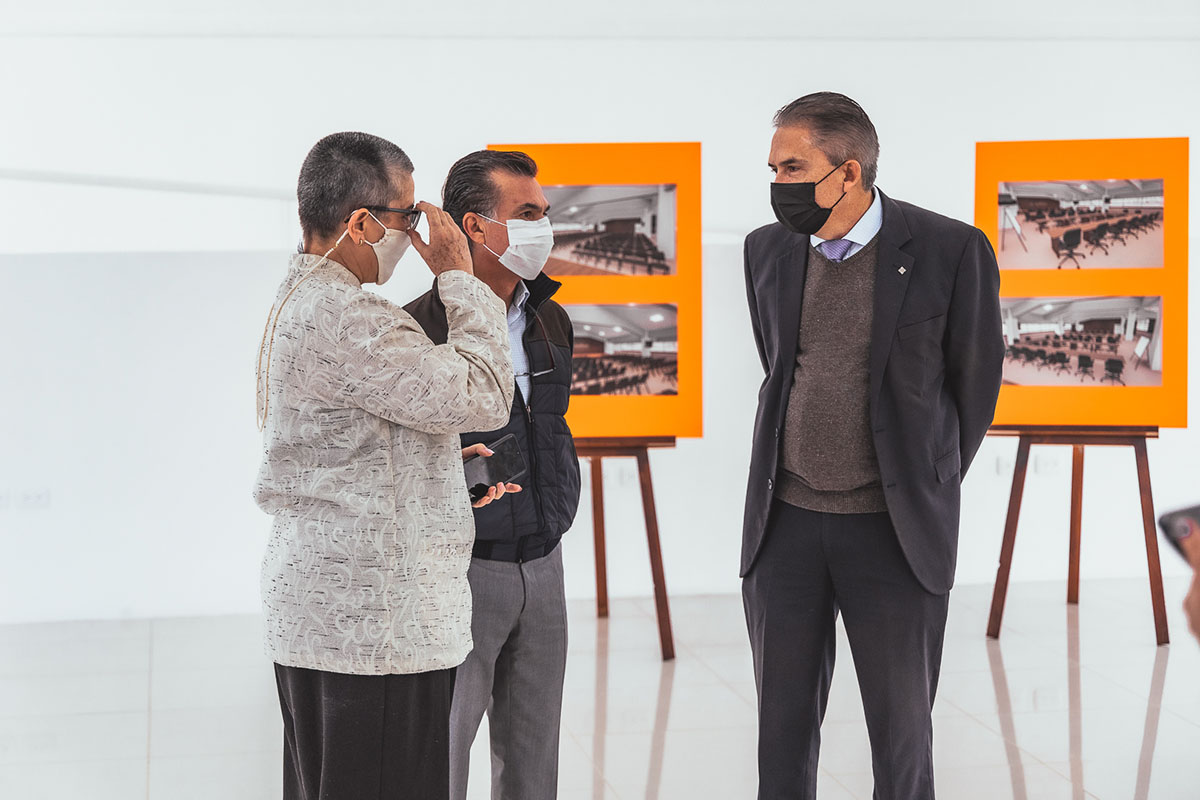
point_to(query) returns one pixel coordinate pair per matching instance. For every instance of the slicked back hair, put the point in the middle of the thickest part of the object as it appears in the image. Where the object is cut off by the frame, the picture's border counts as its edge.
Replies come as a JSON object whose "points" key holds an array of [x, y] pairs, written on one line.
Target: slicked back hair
{"points": [[344, 172], [469, 186], [840, 129]]}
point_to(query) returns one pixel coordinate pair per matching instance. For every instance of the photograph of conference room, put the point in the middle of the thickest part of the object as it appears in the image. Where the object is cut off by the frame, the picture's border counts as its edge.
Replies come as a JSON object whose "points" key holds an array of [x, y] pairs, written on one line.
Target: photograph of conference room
{"points": [[612, 230], [629, 349], [1106, 224], [1069, 341]]}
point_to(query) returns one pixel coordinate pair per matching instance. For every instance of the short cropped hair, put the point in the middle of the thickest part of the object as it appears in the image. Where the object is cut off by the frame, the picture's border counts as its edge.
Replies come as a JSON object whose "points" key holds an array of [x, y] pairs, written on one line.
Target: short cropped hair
{"points": [[344, 172], [840, 129], [469, 186]]}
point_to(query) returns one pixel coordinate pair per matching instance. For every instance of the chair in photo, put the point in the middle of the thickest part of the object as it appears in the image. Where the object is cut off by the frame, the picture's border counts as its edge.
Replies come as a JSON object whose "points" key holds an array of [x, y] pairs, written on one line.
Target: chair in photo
{"points": [[1064, 247], [1085, 368], [1061, 362], [1135, 227], [1095, 238], [1113, 367], [1040, 357], [1028, 355], [1117, 231]]}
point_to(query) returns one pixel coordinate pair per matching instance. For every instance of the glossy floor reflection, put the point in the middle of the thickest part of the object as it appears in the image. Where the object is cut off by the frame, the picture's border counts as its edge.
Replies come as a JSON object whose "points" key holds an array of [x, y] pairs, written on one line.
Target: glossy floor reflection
{"points": [[1070, 703]]}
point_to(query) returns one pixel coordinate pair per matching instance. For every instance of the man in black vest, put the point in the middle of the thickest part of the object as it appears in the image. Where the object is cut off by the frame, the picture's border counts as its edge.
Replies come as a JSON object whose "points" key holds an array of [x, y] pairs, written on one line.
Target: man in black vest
{"points": [[878, 325], [519, 623]]}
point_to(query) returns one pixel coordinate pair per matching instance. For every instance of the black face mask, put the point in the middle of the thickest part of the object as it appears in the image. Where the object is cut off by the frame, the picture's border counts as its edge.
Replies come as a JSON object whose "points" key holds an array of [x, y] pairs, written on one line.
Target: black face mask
{"points": [[795, 205]]}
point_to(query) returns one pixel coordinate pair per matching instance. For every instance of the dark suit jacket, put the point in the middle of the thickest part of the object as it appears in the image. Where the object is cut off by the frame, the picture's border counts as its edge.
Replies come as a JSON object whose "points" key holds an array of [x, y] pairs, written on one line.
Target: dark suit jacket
{"points": [[937, 352]]}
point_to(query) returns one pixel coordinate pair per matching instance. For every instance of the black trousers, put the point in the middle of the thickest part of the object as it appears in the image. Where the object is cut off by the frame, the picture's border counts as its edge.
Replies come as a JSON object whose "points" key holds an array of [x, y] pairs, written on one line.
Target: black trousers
{"points": [[812, 566], [354, 737]]}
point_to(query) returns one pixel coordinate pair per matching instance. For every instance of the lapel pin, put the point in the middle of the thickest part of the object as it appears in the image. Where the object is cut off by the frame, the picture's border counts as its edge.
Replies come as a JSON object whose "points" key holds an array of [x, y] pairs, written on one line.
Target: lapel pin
{"points": [[902, 270]]}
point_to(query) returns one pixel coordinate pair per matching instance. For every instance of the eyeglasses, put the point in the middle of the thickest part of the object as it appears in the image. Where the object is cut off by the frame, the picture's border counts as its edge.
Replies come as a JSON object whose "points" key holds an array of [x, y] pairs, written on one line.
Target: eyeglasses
{"points": [[413, 215]]}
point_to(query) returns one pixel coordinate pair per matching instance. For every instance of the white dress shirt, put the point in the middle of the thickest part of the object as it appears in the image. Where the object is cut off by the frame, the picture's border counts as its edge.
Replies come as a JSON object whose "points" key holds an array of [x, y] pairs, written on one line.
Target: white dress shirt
{"points": [[864, 230], [516, 340]]}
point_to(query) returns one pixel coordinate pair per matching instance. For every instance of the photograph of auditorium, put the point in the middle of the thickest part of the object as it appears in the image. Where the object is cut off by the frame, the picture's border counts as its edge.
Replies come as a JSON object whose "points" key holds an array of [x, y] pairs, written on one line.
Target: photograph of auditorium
{"points": [[612, 230], [1109, 224], [625, 350], [1095, 341]]}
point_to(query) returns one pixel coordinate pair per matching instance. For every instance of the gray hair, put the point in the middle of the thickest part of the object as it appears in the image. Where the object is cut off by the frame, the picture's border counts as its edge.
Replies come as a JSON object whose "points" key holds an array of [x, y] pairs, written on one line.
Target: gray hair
{"points": [[344, 172], [840, 129]]}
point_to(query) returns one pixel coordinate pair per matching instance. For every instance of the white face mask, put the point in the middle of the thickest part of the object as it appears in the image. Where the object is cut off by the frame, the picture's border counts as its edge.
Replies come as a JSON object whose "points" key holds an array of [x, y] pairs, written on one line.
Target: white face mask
{"points": [[529, 246], [388, 250]]}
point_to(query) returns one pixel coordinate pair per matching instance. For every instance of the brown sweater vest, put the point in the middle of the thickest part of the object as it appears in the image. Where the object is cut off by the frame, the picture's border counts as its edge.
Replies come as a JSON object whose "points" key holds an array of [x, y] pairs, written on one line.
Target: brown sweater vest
{"points": [[828, 462]]}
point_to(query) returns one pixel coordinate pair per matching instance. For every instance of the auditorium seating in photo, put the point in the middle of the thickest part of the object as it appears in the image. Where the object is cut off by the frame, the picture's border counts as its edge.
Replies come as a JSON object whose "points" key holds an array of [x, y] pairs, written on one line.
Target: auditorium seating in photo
{"points": [[1079, 224], [625, 374], [624, 253]]}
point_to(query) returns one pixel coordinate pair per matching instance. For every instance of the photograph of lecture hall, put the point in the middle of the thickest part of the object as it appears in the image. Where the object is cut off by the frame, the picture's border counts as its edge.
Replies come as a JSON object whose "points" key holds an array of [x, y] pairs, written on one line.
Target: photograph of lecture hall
{"points": [[625, 350], [612, 230], [1094, 341], [1108, 224]]}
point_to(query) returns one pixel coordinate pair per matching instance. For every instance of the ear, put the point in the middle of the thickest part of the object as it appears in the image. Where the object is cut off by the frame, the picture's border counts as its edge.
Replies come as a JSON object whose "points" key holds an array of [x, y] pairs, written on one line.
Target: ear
{"points": [[473, 227], [357, 225], [853, 175]]}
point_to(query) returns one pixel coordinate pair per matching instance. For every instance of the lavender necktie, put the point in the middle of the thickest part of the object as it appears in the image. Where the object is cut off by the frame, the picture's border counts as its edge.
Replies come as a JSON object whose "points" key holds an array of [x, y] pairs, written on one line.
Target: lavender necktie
{"points": [[835, 249]]}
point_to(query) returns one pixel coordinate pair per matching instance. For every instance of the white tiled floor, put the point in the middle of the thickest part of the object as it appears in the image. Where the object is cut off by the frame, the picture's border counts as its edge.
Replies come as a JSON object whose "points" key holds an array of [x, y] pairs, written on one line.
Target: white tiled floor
{"points": [[1070, 703]]}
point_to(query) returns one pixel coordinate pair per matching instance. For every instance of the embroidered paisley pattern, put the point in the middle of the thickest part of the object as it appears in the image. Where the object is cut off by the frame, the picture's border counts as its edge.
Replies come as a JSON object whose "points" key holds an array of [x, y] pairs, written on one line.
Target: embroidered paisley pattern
{"points": [[366, 566]]}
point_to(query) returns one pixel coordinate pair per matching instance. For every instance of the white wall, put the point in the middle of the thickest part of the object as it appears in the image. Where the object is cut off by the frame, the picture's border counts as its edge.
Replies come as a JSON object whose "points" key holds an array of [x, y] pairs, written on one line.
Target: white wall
{"points": [[147, 161]]}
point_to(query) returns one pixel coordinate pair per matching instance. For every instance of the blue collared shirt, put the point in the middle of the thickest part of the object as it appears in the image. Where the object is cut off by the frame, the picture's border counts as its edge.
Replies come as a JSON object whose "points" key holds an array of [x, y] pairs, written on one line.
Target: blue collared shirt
{"points": [[864, 230], [516, 340]]}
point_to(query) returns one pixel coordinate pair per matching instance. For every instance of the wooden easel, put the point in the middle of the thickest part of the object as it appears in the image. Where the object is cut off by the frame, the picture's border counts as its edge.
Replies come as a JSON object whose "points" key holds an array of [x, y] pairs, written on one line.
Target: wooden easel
{"points": [[632, 447], [1079, 437]]}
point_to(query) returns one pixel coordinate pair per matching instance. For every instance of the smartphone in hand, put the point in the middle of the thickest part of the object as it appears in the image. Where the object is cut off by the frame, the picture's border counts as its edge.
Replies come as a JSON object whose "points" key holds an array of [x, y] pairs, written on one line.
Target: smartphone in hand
{"points": [[505, 465], [1178, 525]]}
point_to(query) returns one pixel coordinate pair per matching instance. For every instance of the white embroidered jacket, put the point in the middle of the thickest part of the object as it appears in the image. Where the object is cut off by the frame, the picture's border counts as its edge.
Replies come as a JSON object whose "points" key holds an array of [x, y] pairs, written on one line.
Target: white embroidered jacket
{"points": [[366, 567]]}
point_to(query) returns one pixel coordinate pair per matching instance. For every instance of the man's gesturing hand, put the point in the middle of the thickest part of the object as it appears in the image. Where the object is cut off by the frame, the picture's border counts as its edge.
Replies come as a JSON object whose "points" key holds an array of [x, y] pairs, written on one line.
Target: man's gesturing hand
{"points": [[447, 247]]}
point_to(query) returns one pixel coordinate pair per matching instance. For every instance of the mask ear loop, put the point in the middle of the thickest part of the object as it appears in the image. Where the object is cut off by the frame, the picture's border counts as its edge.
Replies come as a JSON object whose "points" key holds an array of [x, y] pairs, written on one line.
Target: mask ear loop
{"points": [[262, 382], [377, 222], [827, 174], [497, 222], [835, 169]]}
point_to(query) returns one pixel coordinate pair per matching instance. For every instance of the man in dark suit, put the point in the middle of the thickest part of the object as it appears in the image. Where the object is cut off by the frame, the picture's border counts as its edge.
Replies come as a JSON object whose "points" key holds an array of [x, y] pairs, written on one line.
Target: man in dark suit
{"points": [[878, 325]]}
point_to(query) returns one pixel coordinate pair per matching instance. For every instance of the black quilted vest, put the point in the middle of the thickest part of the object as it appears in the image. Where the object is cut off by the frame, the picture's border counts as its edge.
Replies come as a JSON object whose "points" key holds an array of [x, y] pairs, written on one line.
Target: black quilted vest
{"points": [[528, 525]]}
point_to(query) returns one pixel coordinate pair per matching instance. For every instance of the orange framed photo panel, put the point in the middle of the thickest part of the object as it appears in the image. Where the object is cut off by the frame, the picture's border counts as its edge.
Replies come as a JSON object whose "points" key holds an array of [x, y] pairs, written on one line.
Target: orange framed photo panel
{"points": [[1036, 229], [653, 164]]}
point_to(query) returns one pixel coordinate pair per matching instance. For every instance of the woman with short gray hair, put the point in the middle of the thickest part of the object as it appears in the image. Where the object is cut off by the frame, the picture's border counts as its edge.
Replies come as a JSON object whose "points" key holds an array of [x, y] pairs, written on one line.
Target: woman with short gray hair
{"points": [[364, 583]]}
